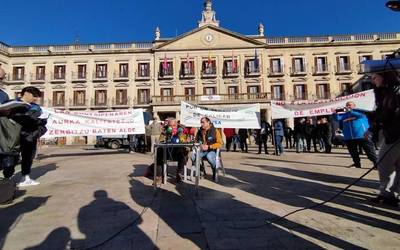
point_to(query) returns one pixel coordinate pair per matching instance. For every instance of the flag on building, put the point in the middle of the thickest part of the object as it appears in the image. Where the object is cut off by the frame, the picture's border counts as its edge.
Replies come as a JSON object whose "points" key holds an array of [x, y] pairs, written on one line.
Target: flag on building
{"points": [[256, 62]]}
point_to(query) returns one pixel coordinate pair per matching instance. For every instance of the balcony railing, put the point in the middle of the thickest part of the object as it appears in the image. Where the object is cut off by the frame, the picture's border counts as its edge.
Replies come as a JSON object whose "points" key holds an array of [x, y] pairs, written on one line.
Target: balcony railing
{"points": [[224, 98], [37, 78], [15, 79], [343, 69], [275, 72], [142, 75], [79, 77], [100, 76], [187, 74], [209, 72], [230, 73], [252, 72], [320, 70], [95, 103], [78, 104], [121, 103], [168, 74], [121, 77], [58, 77], [298, 71]]}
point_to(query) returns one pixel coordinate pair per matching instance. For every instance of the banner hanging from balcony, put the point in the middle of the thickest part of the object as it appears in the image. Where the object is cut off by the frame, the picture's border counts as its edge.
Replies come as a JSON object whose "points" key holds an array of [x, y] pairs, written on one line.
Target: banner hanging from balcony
{"points": [[281, 109], [62, 123], [240, 116]]}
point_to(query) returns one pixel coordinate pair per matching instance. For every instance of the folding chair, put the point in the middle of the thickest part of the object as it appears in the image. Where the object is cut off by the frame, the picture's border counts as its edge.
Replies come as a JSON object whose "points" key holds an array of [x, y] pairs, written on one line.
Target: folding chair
{"points": [[192, 168]]}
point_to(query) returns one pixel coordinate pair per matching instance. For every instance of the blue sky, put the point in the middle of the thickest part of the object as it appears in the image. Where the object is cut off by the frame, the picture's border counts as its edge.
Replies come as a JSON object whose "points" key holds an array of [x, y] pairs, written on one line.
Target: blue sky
{"points": [[27, 22]]}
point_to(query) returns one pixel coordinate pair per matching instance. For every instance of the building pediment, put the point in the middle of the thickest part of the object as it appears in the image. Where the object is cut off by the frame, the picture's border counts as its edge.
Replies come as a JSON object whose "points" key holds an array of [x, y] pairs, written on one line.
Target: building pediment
{"points": [[209, 37]]}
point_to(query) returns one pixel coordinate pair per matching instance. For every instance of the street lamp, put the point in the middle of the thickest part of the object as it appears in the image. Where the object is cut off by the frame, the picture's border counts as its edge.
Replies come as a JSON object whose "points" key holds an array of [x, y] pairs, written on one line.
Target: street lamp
{"points": [[393, 5]]}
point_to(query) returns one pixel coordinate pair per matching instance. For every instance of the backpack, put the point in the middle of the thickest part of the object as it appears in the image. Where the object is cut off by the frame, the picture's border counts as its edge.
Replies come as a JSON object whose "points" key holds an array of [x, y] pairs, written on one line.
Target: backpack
{"points": [[7, 191]]}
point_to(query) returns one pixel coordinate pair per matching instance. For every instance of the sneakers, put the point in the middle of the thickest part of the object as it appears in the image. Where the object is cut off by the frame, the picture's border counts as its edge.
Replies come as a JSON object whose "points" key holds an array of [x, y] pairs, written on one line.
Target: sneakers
{"points": [[380, 199], [354, 166], [26, 181]]}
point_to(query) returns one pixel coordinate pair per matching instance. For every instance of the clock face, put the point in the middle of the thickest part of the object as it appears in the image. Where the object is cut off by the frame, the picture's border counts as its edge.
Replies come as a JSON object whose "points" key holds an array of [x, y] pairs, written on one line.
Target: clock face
{"points": [[209, 38]]}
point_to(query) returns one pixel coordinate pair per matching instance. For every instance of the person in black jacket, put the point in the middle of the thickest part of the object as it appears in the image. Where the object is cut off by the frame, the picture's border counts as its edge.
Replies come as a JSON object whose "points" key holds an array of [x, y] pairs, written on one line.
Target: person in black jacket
{"points": [[387, 120], [300, 135], [326, 134], [243, 135], [311, 130], [32, 128]]}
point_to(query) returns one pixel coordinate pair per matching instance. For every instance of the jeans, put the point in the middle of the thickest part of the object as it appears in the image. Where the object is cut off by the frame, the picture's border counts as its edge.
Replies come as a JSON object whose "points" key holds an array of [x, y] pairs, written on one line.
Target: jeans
{"points": [[28, 153], [262, 140], [228, 143], [211, 157], [367, 145], [300, 144], [278, 142]]}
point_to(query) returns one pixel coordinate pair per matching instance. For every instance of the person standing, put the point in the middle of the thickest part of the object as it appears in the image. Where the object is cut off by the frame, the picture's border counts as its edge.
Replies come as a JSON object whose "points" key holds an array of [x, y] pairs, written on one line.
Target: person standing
{"points": [[355, 124], [288, 136], [311, 131], [300, 135], [262, 137], [229, 133], [33, 127], [279, 133], [243, 135], [326, 135], [387, 120]]}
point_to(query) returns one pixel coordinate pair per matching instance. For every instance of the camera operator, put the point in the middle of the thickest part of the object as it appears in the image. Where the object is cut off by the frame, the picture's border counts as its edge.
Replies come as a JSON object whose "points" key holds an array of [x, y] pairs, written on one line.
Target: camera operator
{"points": [[387, 120], [355, 124]]}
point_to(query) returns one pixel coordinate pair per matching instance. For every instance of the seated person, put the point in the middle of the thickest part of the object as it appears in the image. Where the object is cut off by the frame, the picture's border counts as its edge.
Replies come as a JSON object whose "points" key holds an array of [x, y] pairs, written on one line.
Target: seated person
{"points": [[170, 132], [210, 139]]}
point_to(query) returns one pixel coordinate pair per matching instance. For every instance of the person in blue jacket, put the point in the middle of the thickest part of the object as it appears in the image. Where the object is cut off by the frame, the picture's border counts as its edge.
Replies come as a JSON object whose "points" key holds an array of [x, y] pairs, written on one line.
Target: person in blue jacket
{"points": [[279, 133], [355, 124]]}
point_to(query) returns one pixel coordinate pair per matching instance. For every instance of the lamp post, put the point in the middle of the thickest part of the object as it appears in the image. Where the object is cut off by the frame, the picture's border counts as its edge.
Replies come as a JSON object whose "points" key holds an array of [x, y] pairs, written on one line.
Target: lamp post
{"points": [[393, 5]]}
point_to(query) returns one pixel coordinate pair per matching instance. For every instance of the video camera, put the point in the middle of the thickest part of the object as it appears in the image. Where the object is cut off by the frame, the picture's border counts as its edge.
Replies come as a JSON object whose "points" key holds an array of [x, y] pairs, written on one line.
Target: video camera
{"points": [[341, 110]]}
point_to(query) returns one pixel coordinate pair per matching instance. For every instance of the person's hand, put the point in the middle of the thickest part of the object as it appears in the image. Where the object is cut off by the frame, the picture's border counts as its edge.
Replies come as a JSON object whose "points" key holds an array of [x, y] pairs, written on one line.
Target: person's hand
{"points": [[204, 147]]}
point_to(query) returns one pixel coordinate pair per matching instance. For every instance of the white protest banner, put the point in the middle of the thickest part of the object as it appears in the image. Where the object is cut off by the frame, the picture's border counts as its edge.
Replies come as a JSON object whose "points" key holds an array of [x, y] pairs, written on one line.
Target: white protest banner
{"points": [[280, 109], [243, 116], [82, 123]]}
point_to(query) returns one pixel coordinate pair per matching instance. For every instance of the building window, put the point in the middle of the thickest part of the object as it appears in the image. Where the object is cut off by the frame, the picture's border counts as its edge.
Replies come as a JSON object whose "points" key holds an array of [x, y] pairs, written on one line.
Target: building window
{"points": [[58, 98], [121, 97], [323, 91], [210, 91], [276, 66], [82, 71], [166, 94], [321, 64], [166, 69], [187, 68], [343, 63], [298, 64], [123, 70], [230, 67], [233, 92], [143, 96], [300, 92], [40, 72], [59, 72], [278, 93], [18, 73], [41, 99], [252, 66], [209, 67], [190, 94], [253, 92], [101, 70], [345, 88], [365, 58], [79, 98], [143, 69], [100, 97]]}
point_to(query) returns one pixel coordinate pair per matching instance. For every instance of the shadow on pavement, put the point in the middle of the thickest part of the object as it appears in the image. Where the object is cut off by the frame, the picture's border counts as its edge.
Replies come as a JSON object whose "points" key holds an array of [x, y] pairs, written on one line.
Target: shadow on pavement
{"points": [[10, 214], [214, 218], [57, 239]]}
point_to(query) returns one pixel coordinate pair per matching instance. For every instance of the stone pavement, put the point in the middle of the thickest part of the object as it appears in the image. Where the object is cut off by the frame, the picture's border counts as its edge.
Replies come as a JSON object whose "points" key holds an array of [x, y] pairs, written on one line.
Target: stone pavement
{"points": [[87, 196]]}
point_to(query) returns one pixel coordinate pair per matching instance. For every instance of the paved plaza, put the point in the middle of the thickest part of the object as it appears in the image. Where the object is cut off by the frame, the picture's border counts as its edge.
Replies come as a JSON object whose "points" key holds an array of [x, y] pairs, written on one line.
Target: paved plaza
{"points": [[87, 196]]}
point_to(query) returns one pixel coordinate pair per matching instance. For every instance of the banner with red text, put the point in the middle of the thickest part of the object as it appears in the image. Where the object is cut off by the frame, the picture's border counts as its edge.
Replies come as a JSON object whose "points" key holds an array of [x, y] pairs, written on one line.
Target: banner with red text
{"points": [[280, 109], [62, 123]]}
